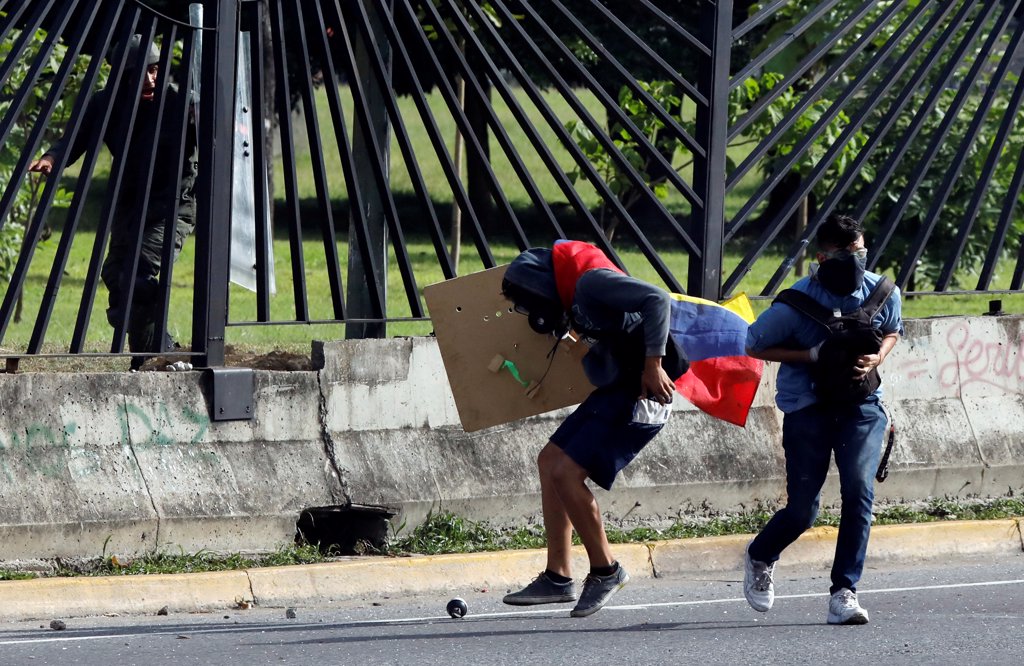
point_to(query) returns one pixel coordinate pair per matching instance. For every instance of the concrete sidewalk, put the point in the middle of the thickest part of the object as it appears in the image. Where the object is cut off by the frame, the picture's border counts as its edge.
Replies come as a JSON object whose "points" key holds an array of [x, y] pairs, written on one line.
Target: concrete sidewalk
{"points": [[452, 575]]}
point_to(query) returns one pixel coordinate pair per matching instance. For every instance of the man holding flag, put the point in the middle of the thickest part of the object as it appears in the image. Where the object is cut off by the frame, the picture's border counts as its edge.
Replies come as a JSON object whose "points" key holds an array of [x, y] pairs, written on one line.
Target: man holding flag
{"points": [[641, 350]]}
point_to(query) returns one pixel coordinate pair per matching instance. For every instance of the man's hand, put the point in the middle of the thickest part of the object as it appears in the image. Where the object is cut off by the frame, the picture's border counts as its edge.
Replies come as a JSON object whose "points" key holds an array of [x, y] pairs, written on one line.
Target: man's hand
{"points": [[43, 165], [655, 383], [865, 364]]}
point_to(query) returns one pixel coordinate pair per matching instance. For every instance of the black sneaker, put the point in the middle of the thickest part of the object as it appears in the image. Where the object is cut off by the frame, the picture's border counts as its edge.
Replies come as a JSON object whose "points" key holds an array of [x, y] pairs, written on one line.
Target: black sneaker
{"points": [[597, 590], [542, 590]]}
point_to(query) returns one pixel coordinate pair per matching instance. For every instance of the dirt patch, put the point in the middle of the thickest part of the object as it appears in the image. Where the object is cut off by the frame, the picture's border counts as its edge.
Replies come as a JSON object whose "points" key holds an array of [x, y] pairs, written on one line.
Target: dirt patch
{"points": [[282, 360]]}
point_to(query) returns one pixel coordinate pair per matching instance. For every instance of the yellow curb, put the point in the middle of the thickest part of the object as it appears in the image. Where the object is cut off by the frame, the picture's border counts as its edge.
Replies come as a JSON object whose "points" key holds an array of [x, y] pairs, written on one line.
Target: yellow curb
{"points": [[139, 595], [816, 547], [704, 554], [387, 577], [453, 575], [920, 541]]}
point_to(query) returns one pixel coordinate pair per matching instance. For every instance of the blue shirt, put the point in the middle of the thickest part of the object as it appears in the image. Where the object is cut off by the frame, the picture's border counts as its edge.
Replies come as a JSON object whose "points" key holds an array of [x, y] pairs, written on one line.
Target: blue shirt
{"points": [[782, 326]]}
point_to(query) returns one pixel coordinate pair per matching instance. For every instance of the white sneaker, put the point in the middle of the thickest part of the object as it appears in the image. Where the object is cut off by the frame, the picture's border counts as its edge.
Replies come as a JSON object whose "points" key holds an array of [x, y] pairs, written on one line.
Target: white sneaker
{"points": [[844, 609], [758, 587]]}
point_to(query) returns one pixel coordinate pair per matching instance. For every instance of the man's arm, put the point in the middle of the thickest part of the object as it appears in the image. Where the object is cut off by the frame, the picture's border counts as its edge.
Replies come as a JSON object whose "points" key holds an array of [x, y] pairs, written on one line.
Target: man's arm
{"points": [[45, 163], [783, 355], [627, 294]]}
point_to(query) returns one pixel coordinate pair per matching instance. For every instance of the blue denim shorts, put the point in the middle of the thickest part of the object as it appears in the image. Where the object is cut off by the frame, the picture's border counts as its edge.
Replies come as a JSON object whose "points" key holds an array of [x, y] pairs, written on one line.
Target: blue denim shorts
{"points": [[601, 435]]}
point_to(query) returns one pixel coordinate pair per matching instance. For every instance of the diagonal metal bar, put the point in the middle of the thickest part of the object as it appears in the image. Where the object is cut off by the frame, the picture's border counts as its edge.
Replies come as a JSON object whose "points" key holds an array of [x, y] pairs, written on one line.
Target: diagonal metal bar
{"points": [[762, 15], [363, 113], [641, 46], [809, 61], [254, 19], [13, 114], [629, 79], [510, 151], [1006, 217], [440, 148], [822, 123], [991, 161], [404, 141], [918, 174], [879, 132], [802, 26], [867, 201], [148, 149], [31, 26], [612, 107], [317, 163], [34, 229], [67, 235], [536, 97], [672, 25], [465, 127], [966, 144], [1017, 282], [620, 160], [292, 213], [114, 84], [580, 109], [854, 125], [182, 114], [813, 95]]}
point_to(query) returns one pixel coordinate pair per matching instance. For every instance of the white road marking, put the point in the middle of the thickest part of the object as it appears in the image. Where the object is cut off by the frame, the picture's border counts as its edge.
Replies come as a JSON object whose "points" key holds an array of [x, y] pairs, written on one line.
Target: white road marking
{"points": [[516, 613]]}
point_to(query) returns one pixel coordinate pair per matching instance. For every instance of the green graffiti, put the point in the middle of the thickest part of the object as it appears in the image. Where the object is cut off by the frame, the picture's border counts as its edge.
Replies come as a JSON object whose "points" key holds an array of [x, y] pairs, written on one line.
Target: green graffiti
{"points": [[199, 419], [143, 429], [40, 448], [44, 451]]}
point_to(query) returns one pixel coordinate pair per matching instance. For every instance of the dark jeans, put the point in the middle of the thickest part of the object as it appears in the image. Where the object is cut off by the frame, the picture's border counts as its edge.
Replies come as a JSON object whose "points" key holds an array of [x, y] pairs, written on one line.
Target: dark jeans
{"points": [[145, 302], [809, 437]]}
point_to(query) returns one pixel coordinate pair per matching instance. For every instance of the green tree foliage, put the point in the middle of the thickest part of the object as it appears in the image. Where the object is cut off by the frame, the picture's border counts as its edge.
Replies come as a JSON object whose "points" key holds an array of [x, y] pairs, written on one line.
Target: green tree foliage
{"points": [[653, 131]]}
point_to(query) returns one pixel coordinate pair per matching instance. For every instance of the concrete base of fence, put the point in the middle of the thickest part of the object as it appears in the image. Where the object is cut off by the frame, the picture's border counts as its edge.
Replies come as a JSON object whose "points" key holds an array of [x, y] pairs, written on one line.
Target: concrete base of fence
{"points": [[132, 463]]}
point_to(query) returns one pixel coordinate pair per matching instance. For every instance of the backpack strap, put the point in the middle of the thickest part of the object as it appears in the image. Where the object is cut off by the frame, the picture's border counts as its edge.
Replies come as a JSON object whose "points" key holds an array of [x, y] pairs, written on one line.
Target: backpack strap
{"points": [[806, 305], [878, 296]]}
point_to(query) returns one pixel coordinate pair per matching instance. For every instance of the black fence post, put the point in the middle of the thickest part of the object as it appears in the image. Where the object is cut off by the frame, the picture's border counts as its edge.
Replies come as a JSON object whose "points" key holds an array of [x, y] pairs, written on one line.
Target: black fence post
{"points": [[216, 146], [360, 306], [705, 271]]}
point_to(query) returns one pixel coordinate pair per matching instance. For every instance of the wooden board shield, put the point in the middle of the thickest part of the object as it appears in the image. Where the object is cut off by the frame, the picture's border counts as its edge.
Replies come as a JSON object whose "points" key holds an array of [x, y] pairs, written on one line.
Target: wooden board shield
{"points": [[477, 331]]}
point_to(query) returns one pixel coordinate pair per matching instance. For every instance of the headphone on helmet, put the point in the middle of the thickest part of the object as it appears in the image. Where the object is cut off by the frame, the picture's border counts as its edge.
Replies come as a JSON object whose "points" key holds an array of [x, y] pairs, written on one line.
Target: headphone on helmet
{"points": [[544, 315]]}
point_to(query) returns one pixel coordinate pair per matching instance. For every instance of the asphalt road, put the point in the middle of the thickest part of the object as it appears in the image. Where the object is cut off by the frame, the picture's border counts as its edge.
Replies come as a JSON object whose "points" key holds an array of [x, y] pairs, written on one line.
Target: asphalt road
{"points": [[957, 612]]}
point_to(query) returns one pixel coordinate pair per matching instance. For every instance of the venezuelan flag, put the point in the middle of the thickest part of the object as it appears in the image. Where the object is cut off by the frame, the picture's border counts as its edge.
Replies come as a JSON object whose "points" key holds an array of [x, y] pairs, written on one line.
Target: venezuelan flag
{"points": [[722, 379]]}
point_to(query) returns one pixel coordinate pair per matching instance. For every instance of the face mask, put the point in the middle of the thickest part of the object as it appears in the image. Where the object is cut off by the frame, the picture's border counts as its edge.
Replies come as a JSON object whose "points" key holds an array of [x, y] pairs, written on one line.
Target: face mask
{"points": [[842, 275]]}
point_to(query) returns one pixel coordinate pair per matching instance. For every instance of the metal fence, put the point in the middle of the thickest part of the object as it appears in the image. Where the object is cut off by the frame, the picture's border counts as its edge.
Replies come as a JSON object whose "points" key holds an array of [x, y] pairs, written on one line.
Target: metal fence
{"points": [[350, 152]]}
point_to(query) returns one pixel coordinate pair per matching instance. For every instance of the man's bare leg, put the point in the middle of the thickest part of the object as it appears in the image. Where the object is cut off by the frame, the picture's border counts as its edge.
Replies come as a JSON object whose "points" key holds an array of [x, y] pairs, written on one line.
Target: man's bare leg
{"points": [[567, 502], [557, 527]]}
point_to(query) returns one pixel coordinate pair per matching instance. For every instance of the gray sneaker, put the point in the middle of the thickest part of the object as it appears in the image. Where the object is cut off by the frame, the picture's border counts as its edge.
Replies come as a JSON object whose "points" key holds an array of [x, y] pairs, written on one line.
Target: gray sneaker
{"points": [[597, 590], [542, 590], [844, 609], [758, 586]]}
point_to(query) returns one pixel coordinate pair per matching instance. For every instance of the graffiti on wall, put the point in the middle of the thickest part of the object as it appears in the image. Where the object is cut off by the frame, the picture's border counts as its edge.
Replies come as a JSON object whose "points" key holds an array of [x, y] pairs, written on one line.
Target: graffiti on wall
{"points": [[44, 451], [963, 358], [978, 359]]}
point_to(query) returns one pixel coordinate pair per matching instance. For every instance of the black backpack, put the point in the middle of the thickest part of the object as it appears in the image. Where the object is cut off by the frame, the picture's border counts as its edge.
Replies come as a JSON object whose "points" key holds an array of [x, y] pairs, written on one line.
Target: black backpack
{"points": [[850, 335]]}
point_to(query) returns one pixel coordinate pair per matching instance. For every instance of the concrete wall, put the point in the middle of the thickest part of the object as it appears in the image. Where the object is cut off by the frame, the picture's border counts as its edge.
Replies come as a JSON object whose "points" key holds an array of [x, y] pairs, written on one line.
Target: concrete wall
{"points": [[133, 463]]}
